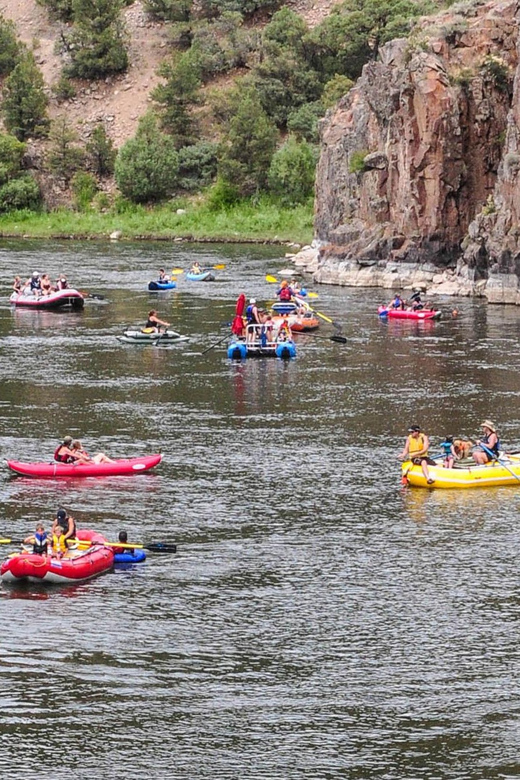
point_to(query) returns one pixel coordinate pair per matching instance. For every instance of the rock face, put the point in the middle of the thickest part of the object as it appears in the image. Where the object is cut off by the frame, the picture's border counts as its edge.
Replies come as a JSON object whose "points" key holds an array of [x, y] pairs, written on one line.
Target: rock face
{"points": [[419, 173]]}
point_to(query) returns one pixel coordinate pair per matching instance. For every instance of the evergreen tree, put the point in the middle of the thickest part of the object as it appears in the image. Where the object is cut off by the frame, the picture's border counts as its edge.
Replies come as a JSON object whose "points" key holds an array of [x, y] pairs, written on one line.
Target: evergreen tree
{"points": [[101, 152], [11, 153], [248, 146], [147, 165], [96, 45], [25, 103], [61, 9], [9, 46], [65, 157], [292, 172], [177, 95]]}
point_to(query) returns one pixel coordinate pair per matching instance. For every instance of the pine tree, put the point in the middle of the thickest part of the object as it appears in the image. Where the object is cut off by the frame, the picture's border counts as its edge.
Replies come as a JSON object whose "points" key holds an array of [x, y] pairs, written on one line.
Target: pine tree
{"points": [[65, 157], [9, 46], [101, 152], [96, 45], [25, 103]]}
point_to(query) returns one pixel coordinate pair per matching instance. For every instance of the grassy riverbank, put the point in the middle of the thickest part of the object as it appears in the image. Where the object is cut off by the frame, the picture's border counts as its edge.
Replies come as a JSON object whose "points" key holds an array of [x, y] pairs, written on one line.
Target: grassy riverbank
{"points": [[243, 222]]}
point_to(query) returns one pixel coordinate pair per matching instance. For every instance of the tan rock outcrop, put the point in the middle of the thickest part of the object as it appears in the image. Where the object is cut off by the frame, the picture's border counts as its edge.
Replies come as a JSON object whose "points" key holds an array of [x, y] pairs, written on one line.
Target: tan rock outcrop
{"points": [[426, 141]]}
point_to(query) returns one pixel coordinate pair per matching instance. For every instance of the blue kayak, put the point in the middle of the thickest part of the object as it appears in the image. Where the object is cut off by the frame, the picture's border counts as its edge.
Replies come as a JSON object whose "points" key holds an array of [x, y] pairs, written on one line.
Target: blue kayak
{"points": [[154, 286], [131, 556], [204, 276]]}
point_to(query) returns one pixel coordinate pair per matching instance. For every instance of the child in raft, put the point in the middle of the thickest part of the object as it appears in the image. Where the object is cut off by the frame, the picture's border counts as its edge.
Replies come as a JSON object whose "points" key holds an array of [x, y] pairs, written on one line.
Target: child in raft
{"points": [[39, 540], [448, 450]]}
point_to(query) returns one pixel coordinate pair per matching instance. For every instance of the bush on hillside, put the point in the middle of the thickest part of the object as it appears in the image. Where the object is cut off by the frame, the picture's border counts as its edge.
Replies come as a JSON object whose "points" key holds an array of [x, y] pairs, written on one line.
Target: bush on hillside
{"points": [[84, 186], [11, 154], [9, 46], [64, 156], [176, 96], [61, 9], [24, 104], [169, 10], [283, 83], [147, 165], [335, 89], [63, 89], [96, 45], [248, 146], [303, 122], [292, 172], [101, 153], [20, 193], [197, 166], [213, 8]]}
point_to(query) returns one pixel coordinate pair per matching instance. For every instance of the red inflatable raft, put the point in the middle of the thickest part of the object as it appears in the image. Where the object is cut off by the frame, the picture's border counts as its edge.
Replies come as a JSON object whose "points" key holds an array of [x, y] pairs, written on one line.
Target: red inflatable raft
{"points": [[55, 469], [75, 566], [403, 314], [57, 300]]}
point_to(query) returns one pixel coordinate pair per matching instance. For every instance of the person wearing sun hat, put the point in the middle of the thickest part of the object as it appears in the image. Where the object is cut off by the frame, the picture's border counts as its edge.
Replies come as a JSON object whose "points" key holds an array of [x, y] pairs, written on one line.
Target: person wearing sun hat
{"points": [[490, 441], [416, 449]]}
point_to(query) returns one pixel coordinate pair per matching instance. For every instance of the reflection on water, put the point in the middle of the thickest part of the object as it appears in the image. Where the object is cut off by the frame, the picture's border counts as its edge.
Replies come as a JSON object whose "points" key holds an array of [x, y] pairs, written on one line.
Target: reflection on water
{"points": [[318, 619]]}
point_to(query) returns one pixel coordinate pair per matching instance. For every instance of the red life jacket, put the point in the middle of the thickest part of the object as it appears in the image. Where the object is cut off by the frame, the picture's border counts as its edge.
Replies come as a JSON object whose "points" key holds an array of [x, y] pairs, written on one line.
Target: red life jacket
{"points": [[62, 458], [285, 294]]}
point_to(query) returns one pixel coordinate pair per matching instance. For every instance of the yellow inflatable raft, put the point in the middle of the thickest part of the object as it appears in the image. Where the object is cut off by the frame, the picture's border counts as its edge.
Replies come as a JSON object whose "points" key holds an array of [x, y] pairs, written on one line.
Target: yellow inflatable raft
{"points": [[503, 472]]}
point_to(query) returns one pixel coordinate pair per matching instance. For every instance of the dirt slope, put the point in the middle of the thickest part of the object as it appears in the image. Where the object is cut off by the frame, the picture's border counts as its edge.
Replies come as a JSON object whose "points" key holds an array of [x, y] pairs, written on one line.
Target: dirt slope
{"points": [[117, 102]]}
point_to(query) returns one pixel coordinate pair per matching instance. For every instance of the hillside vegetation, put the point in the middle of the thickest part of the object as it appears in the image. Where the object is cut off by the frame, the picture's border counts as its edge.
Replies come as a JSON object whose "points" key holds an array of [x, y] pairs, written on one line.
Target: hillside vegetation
{"points": [[108, 105]]}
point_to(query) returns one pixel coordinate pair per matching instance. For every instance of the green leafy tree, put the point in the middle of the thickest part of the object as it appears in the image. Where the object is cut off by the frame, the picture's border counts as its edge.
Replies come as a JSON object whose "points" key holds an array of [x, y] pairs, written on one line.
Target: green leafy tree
{"points": [[292, 172], [9, 46], [147, 165], [11, 154], [96, 45], [101, 152], [303, 122], [25, 103], [197, 166], [65, 157], [20, 193], [355, 31], [177, 95], [248, 146], [335, 89]]}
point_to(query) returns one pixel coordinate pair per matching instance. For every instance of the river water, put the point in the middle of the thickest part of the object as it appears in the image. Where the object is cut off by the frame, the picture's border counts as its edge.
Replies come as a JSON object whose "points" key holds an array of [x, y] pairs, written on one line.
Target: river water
{"points": [[319, 620]]}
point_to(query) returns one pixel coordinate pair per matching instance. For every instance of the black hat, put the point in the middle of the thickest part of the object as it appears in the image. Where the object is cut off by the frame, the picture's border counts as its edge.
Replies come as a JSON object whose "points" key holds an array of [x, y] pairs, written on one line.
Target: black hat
{"points": [[414, 429], [61, 514]]}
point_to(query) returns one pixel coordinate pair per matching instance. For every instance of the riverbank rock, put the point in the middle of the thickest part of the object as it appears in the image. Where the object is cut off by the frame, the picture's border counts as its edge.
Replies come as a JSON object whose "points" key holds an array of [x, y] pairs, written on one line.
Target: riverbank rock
{"points": [[419, 172]]}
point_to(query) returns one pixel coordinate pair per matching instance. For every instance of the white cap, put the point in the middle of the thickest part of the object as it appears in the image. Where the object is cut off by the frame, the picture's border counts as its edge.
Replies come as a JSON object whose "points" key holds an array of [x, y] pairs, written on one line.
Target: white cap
{"points": [[35, 274], [252, 300]]}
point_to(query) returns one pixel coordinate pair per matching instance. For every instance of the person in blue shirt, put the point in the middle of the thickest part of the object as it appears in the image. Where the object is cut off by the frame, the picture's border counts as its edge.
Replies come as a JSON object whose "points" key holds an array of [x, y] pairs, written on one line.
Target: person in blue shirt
{"points": [[396, 303], [448, 450]]}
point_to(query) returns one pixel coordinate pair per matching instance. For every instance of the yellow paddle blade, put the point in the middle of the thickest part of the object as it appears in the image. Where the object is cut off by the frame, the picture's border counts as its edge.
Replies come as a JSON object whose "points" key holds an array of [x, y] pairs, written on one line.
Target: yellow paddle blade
{"points": [[176, 271], [271, 279], [219, 266], [7, 541], [312, 295]]}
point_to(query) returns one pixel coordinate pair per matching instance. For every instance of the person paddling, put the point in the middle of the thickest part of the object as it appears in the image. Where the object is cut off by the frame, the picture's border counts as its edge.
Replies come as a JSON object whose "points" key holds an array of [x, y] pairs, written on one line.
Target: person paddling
{"points": [[416, 449], [490, 441], [154, 323], [63, 452]]}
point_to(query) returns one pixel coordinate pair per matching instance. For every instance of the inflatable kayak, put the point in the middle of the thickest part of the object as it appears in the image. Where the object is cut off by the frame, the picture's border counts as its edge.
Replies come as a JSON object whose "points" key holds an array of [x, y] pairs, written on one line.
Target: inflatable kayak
{"points": [[146, 337], [503, 472], [76, 565], [284, 307], [137, 556], [298, 323], [55, 469], [60, 299], [403, 314], [157, 286], [204, 276]]}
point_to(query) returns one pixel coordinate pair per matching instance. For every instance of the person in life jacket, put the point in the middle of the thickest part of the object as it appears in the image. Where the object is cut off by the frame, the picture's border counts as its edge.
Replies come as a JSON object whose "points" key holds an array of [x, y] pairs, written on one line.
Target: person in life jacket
{"points": [[63, 526], [39, 540], [123, 538], [285, 292], [490, 441], [59, 543], [34, 284], [63, 452], [416, 449], [62, 283]]}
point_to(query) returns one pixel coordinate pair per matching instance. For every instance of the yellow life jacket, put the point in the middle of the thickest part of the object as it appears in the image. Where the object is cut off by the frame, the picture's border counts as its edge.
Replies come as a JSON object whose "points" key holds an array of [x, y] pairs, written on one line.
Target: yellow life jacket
{"points": [[59, 545], [415, 445]]}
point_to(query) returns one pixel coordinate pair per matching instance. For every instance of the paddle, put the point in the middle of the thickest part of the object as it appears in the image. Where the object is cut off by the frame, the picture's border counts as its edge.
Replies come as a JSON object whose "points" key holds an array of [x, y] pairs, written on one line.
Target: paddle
{"points": [[158, 547], [339, 339], [500, 460], [160, 336], [215, 344], [176, 271], [274, 280], [323, 316]]}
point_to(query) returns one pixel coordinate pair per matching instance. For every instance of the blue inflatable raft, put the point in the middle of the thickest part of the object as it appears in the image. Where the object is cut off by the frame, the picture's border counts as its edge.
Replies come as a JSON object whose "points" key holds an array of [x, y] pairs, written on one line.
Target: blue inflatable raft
{"points": [[204, 276], [135, 556], [155, 286]]}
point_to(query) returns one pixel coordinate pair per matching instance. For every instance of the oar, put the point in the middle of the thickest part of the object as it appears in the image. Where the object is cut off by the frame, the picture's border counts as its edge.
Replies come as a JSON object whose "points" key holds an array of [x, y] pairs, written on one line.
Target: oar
{"points": [[215, 344], [339, 339], [500, 460], [159, 547], [219, 267], [160, 336], [323, 316], [176, 271]]}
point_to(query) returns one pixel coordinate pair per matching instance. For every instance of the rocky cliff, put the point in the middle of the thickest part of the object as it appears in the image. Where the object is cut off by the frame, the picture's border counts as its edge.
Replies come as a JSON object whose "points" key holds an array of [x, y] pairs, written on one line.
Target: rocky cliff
{"points": [[417, 181]]}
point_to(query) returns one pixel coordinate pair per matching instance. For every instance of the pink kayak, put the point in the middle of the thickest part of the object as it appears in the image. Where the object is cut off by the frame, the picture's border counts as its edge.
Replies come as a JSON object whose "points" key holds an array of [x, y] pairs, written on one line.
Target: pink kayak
{"points": [[75, 566], [56, 300], [403, 314], [55, 469]]}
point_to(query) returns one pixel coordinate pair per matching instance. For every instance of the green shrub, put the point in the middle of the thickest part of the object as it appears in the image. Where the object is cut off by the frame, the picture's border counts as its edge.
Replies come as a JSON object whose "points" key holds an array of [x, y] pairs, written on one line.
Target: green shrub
{"points": [[101, 152], [147, 165], [357, 161], [96, 45], [64, 89], [21, 193], [303, 122], [24, 103], [84, 187], [222, 195], [496, 70], [11, 154], [336, 88], [177, 95], [61, 9], [64, 156], [197, 166], [9, 46], [169, 10], [292, 172], [213, 8]]}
